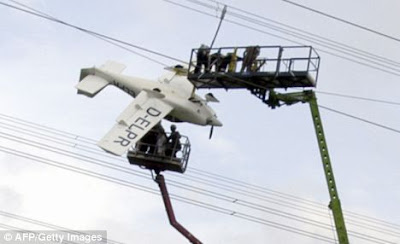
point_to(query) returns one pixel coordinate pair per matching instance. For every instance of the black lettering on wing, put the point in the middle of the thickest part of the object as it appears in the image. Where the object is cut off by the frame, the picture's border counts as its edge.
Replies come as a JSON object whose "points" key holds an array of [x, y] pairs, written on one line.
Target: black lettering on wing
{"points": [[122, 141], [131, 135], [142, 121], [153, 112]]}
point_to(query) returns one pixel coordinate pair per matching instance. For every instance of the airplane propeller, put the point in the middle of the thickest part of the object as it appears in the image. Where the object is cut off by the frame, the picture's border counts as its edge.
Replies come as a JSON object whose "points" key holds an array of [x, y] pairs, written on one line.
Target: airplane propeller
{"points": [[211, 132]]}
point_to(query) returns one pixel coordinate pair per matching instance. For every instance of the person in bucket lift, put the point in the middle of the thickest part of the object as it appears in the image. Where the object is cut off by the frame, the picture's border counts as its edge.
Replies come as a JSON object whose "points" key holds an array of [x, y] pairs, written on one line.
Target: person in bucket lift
{"points": [[148, 143], [249, 58], [161, 142], [173, 143], [202, 59]]}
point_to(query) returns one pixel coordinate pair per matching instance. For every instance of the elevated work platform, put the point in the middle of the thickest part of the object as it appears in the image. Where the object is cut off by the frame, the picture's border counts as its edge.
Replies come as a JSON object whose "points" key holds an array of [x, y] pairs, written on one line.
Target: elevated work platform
{"points": [[255, 67], [161, 157]]}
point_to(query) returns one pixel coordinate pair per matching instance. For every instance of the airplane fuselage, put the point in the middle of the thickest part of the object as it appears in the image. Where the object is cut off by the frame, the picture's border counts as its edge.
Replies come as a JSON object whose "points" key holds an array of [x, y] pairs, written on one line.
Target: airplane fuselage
{"points": [[188, 107]]}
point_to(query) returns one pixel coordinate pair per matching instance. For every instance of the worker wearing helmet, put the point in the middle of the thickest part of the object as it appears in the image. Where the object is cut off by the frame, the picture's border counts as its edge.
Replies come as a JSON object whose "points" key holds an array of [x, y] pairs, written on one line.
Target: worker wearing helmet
{"points": [[174, 145], [202, 59]]}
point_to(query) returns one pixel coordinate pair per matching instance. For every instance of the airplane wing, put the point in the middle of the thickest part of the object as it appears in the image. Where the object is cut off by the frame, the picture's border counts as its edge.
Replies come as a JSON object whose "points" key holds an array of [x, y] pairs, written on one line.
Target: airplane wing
{"points": [[135, 121]]}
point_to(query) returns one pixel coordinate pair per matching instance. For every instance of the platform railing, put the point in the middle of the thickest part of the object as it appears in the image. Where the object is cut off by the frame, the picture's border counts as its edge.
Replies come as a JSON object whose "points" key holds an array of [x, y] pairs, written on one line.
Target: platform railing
{"points": [[164, 151], [269, 59]]}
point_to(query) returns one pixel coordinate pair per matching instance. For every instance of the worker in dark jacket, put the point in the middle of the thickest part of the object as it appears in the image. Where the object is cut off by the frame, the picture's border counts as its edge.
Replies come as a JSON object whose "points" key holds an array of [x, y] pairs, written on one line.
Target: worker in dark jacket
{"points": [[174, 144], [202, 59]]}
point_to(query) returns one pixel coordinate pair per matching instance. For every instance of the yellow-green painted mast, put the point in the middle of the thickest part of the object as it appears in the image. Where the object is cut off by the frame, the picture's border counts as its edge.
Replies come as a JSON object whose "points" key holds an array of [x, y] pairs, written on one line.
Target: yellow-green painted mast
{"points": [[276, 99]]}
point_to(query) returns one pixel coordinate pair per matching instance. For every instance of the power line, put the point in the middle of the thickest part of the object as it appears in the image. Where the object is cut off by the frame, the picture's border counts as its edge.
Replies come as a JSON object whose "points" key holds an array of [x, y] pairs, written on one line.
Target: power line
{"points": [[355, 97], [104, 39], [198, 171], [94, 35], [193, 178], [156, 61], [344, 21], [50, 226], [20, 230], [190, 188], [130, 171], [234, 213], [358, 98], [310, 35], [101, 36], [173, 196], [177, 184], [187, 200], [307, 36], [367, 63], [180, 185], [360, 119]]}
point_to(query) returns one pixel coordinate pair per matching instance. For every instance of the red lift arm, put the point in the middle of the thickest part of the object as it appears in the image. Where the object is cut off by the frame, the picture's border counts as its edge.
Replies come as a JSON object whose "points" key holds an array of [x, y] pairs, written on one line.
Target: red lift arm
{"points": [[171, 216]]}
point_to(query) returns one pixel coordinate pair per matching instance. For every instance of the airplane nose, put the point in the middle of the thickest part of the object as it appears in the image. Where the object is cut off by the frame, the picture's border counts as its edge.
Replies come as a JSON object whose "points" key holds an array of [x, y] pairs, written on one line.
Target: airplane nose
{"points": [[214, 121], [217, 123]]}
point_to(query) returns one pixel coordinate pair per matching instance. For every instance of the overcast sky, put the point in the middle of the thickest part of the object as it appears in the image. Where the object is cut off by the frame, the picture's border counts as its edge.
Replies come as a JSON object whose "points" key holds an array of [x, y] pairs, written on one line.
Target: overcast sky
{"points": [[40, 64]]}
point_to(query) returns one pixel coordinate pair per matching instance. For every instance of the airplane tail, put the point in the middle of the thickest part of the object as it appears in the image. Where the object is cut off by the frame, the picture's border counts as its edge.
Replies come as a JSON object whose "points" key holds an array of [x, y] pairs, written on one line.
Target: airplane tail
{"points": [[93, 80]]}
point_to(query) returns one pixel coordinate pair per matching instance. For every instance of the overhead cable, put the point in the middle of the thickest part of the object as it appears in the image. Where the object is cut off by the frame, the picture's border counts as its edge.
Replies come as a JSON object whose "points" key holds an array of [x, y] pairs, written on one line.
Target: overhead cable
{"points": [[146, 189], [351, 58], [212, 207], [344, 21], [46, 16], [360, 119], [309, 34], [194, 177], [50, 226], [182, 186]]}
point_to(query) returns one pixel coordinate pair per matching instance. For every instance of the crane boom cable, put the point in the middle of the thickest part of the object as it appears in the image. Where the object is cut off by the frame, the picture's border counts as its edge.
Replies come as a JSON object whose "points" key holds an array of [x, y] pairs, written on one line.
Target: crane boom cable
{"points": [[219, 26]]}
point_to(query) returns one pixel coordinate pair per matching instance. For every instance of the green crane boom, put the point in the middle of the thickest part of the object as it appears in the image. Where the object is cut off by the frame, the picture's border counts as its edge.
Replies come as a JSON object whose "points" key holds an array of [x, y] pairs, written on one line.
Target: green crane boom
{"points": [[276, 100]]}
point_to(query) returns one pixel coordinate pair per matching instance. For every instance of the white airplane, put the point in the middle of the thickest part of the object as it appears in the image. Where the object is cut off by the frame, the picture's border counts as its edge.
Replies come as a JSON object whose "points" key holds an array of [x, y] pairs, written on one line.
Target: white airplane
{"points": [[172, 98]]}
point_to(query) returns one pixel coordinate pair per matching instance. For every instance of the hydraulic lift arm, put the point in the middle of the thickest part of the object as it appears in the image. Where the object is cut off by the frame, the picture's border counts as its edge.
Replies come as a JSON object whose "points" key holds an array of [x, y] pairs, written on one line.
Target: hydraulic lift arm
{"points": [[276, 99], [170, 212]]}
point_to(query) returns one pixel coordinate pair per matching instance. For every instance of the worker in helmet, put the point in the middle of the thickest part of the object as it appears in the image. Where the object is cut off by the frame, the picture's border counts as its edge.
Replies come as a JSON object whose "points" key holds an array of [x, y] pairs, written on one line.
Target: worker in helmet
{"points": [[249, 59], [202, 59], [174, 144]]}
